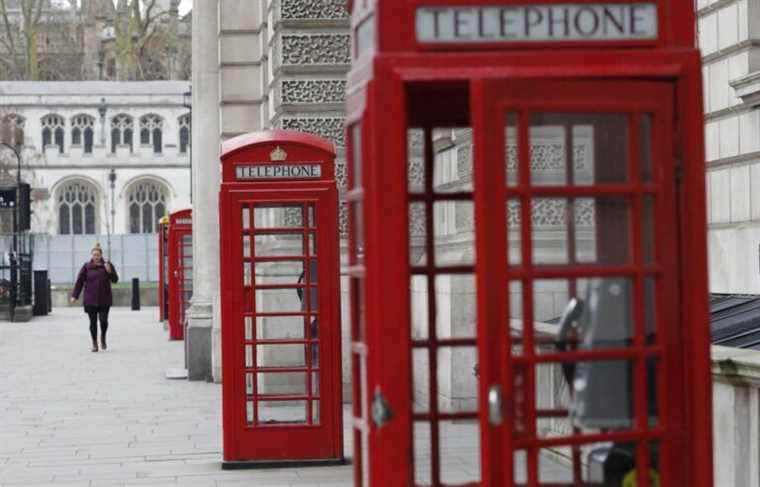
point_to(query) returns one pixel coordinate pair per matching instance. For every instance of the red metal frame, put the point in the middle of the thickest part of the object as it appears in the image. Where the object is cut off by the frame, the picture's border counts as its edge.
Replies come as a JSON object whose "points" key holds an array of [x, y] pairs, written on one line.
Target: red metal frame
{"points": [[180, 236], [394, 85], [249, 439], [567, 97], [163, 259]]}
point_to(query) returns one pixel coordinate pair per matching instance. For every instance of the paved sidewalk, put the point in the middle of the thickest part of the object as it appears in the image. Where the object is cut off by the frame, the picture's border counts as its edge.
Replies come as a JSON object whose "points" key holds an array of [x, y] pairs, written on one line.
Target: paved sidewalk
{"points": [[70, 417]]}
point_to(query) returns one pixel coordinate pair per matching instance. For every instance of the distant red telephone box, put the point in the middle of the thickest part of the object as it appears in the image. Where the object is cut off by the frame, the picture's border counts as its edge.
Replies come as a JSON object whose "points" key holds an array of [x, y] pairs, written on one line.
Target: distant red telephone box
{"points": [[180, 270], [163, 269], [281, 367], [527, 244]]}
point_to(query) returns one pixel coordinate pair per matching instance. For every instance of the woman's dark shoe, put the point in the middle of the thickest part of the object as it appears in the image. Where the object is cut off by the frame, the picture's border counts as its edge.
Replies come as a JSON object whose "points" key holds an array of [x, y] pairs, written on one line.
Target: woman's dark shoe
{"points": [[95, 346], [103, 344]]}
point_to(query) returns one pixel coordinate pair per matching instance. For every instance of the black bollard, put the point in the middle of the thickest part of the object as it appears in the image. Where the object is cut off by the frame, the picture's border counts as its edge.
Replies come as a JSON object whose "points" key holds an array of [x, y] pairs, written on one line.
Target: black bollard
{"points": [[50, 296], [135, 294], [41, 300]]}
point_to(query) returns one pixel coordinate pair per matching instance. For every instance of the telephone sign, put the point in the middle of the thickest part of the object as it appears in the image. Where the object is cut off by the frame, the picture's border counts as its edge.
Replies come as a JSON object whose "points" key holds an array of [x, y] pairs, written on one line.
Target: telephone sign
{"points": [[554, 22], [278, 171]]}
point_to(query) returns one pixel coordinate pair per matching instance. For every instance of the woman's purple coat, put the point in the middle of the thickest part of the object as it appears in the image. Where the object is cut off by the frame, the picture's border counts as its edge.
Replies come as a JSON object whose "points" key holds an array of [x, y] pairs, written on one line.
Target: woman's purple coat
{"points": [[96, 282]]}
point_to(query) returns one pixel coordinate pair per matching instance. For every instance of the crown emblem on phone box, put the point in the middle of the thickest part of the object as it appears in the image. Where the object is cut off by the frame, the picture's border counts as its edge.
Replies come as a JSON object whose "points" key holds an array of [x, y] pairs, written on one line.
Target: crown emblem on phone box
{"points": [[278, 154]]}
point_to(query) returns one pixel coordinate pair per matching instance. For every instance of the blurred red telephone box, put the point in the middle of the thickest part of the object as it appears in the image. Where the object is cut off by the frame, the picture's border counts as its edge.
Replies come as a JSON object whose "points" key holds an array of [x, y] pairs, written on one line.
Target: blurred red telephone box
{"points": [[180, 270], [163, 272], [580, 116], [280, 288]]}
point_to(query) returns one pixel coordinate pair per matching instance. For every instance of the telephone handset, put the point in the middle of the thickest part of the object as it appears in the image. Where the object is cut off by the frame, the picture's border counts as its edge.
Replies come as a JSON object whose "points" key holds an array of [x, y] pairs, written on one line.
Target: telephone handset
{"points": [[313, 296], [313, 304], [568, 331], [601, 390]]}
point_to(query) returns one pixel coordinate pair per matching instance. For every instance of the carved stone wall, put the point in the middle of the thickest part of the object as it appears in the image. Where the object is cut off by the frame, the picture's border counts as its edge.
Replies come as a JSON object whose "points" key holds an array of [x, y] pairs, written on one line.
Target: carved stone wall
{"points": [[313, 9], [327, 127], [464, 162], [313, 91], [547, 167], [552, 212], [343, 219], [415, 169], [309, 49], [417, 219], [340, 174]]}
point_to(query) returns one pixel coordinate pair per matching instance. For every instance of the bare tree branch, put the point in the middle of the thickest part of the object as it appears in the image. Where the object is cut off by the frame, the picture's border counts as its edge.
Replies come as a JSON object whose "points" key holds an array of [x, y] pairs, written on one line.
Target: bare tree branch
{"points": [[44, 40], [38, 12], [7, 23]]}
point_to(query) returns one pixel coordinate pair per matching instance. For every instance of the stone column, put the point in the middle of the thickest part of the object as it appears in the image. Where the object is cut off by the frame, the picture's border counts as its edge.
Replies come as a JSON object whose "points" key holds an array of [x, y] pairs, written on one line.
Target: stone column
{"points": [[206, 179]]}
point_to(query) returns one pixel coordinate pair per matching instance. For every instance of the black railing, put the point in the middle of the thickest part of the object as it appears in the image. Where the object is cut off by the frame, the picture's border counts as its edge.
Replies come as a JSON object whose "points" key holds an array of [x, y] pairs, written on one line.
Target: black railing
{"points": [[16, 275], [25, 281]]}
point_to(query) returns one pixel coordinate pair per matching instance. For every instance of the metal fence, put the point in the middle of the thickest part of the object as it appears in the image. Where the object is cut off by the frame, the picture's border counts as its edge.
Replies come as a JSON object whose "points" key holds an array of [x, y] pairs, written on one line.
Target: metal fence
{"points": [[18, 270], [63, 255]]}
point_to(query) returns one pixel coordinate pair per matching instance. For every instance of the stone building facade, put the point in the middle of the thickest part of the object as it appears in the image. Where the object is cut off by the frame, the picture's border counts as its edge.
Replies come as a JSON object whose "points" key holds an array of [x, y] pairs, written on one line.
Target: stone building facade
{"points": [[79, 133], [728, 34], [728, 37], [256, 65]]}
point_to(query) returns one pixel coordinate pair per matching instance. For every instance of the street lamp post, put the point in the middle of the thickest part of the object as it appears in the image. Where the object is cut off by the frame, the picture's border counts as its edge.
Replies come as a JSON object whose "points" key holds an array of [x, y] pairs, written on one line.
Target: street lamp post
{"points": [[187, 102], [112, 181]]}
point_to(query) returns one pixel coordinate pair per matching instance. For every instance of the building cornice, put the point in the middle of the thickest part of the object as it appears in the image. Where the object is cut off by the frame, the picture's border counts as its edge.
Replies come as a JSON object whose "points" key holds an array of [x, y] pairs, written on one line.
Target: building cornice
{"points": [[92, 88], [725, 112], [739, 160], [731, 50], [82, 167], [748, 88], [241, 32], [714, 7]]}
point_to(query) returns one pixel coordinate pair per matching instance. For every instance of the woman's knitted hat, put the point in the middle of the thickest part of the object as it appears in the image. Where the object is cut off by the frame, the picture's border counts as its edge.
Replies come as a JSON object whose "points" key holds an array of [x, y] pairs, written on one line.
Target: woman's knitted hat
{"points": [[97, 247]]}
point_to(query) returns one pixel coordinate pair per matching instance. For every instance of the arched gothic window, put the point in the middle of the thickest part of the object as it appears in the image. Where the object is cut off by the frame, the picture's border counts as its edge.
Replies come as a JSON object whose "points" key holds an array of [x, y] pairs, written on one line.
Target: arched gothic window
{"points": [[83, 132], [146, 204], [151, 127], [185, 130], [122, 128], [52, 131], [77, 208]]}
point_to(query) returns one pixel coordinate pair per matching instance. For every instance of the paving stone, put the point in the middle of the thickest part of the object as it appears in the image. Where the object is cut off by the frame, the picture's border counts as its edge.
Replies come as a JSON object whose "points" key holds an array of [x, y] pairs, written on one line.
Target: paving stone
{"points": [[73, 418]]}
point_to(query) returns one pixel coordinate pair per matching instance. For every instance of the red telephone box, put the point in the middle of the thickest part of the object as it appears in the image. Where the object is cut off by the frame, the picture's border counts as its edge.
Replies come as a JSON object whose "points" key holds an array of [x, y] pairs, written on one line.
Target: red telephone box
{"points": [[281, 367], [180, 270], [163, 264], [543, 159]]}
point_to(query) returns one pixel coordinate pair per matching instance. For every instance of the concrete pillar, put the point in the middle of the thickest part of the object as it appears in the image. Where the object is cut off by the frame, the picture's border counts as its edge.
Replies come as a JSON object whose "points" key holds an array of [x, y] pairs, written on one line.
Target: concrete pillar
{"points": [[203, 330]]}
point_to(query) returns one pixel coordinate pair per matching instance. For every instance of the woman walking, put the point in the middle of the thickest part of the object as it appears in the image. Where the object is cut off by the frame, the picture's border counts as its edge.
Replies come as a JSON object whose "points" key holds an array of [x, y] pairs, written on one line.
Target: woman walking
{"points": [[95, 278]]}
